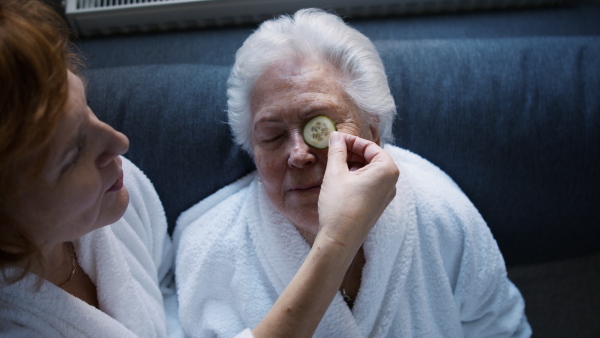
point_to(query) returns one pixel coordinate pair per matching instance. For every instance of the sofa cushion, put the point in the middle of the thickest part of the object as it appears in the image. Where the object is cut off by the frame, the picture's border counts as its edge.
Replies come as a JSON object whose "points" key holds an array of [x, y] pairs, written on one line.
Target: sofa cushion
{"points": [[174, 116]]}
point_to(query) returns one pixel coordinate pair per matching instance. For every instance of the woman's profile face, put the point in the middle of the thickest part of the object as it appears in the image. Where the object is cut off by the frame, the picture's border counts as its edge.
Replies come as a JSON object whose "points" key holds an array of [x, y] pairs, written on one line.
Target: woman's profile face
{"points": [[81, 187], [285, 98]]}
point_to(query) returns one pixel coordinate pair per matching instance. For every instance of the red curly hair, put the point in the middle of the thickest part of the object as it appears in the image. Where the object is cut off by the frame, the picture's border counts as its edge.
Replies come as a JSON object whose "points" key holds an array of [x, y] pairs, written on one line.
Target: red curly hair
{"points": [[34, 59]]}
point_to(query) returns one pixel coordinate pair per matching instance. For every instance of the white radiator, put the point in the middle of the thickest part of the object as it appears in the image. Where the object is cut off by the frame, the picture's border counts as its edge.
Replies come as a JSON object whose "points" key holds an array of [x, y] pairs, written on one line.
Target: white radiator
{"points": [[105, 17]]}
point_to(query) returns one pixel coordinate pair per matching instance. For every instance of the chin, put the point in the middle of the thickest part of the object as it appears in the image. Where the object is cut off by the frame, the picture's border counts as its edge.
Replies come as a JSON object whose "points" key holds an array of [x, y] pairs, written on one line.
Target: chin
{"points": [[116, 210]]}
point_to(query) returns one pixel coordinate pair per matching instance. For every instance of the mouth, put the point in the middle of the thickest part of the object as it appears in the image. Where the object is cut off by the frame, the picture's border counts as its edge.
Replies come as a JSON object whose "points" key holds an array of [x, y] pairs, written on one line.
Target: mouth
{"points": [[307, 188], [118, 184]]}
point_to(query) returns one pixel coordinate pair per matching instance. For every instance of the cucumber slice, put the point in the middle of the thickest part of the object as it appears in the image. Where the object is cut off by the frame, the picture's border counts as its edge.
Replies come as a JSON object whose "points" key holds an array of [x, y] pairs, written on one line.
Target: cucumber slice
{"points": [[316, 131]]}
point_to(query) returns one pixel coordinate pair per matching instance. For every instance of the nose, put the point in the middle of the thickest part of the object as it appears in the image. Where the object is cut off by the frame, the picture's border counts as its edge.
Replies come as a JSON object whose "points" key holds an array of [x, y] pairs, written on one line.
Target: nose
{"points": [[300, 154], [116, 143]]}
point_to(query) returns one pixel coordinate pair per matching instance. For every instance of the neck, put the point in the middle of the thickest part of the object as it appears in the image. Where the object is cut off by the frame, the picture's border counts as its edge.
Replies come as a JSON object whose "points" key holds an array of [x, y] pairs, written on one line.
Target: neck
{"points": [[57, 264], [307, 235]]}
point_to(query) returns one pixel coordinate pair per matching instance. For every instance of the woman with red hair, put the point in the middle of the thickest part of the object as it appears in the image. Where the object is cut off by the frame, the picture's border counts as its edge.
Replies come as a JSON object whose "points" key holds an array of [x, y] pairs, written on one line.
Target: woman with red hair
{"points": [[84, 249]]}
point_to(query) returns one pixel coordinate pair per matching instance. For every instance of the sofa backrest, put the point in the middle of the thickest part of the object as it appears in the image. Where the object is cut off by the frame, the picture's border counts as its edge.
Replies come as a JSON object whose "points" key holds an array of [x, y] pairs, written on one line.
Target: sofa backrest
{"points": [[514, 119]]}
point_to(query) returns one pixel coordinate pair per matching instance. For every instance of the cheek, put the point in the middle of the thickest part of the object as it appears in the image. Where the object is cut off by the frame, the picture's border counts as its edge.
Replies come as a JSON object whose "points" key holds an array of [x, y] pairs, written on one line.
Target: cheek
{"points": [[82, 192], [262, 162], [56, 214], [271, 170], [85, 200]]}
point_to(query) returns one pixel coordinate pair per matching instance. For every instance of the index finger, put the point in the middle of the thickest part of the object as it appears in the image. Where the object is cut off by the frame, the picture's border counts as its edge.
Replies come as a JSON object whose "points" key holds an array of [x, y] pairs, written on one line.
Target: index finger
{"points": [[359, 149]]}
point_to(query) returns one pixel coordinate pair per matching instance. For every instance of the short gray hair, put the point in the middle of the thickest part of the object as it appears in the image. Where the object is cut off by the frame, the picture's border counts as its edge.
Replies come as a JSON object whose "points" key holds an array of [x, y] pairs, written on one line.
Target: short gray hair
{"points": [[316, 34]]}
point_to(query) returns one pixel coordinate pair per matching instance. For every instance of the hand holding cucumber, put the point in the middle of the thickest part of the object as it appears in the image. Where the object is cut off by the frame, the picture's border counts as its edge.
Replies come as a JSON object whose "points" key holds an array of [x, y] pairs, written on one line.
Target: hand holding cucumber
{"points": [[351, 202]]}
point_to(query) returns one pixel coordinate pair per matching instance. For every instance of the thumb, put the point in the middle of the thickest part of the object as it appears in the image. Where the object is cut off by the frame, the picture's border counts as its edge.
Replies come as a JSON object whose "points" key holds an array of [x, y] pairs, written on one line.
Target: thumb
{"points": [[337, 153]]}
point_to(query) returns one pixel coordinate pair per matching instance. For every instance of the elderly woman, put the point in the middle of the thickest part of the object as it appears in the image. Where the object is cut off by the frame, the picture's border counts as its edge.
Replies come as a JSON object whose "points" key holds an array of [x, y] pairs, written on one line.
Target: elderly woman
{"points": [[83, 244], [430, 266]]}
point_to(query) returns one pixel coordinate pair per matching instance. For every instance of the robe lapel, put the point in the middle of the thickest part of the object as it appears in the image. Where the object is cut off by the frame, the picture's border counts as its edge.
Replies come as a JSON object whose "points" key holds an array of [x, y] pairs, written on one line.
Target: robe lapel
{"points": [[118, 294]]}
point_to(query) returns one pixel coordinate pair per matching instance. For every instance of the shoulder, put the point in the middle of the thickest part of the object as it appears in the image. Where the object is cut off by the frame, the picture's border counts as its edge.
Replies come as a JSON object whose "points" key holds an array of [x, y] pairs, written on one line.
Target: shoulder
{"points": [[428, 181], [210, 240], [438, 199], [213, 223], [453, 235], [216, 211], [436, 196], [449, 225]]}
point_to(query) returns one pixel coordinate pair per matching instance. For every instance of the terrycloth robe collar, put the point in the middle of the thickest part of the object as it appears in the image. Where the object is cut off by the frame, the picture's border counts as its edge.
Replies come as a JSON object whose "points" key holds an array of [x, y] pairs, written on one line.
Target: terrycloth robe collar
{"points": [[57, 313], [432, 266], [388, 251]]}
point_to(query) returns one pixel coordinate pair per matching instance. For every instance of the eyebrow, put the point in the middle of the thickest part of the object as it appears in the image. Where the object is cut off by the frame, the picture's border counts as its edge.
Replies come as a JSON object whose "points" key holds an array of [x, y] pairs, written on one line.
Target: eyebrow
{"points": [[266, 119], [311, 113]]}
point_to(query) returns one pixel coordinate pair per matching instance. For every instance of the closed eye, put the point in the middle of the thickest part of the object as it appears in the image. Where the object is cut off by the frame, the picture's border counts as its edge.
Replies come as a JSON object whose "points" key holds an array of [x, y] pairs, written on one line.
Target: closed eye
{"points": [[80, 147], [78, 154], [272, 139]]}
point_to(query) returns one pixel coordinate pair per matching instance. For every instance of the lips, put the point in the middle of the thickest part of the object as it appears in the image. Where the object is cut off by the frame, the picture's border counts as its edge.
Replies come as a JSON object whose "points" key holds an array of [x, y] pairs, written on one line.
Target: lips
{"points": [[118, 184], [306, 187]]}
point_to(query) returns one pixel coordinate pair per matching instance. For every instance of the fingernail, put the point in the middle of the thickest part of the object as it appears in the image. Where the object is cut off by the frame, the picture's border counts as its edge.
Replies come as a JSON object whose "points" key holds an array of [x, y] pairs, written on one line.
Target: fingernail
{"points": [[334, 137]]}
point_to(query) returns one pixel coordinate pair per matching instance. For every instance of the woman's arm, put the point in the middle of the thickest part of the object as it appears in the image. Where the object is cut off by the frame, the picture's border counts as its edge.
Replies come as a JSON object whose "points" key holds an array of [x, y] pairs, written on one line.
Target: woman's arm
{"points": [[350, 204]]}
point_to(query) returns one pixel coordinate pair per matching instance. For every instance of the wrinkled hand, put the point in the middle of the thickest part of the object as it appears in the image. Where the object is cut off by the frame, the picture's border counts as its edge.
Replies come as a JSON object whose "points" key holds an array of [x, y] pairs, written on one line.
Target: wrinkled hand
{"points": [[352, 200]]}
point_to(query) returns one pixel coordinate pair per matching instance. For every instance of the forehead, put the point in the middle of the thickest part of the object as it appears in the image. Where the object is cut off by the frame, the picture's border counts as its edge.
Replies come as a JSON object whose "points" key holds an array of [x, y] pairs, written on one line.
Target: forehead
{"points": [[297, 84], [75, 104]]}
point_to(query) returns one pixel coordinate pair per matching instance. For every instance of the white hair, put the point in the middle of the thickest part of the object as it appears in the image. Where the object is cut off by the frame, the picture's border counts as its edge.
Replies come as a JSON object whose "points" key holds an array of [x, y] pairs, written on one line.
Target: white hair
{"points": [[310, 34]]}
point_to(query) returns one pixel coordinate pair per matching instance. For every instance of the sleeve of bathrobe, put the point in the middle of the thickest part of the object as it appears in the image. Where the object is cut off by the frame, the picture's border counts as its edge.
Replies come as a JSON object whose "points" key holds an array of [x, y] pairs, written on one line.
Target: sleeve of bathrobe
{"points": [[490, 304], [145, 205]]}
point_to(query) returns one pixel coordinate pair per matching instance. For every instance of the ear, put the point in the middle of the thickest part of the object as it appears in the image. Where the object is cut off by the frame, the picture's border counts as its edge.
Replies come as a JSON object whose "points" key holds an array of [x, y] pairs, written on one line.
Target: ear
{"points": [[374, 127]]}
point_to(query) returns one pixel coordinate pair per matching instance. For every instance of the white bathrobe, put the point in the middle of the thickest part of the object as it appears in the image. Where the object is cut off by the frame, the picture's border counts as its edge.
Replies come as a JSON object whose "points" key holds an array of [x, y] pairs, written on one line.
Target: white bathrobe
{"points": [[432, 267], [126, 261]]}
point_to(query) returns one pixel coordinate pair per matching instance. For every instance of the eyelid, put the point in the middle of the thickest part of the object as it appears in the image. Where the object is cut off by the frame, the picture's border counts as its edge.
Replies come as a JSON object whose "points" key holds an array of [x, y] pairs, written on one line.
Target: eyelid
{"points": [[80, 145], [273, 138]]}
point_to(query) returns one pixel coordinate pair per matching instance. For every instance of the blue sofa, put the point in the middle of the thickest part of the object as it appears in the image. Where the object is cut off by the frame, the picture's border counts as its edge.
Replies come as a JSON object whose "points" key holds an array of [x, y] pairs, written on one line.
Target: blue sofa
{"points": [[506, 102]]}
